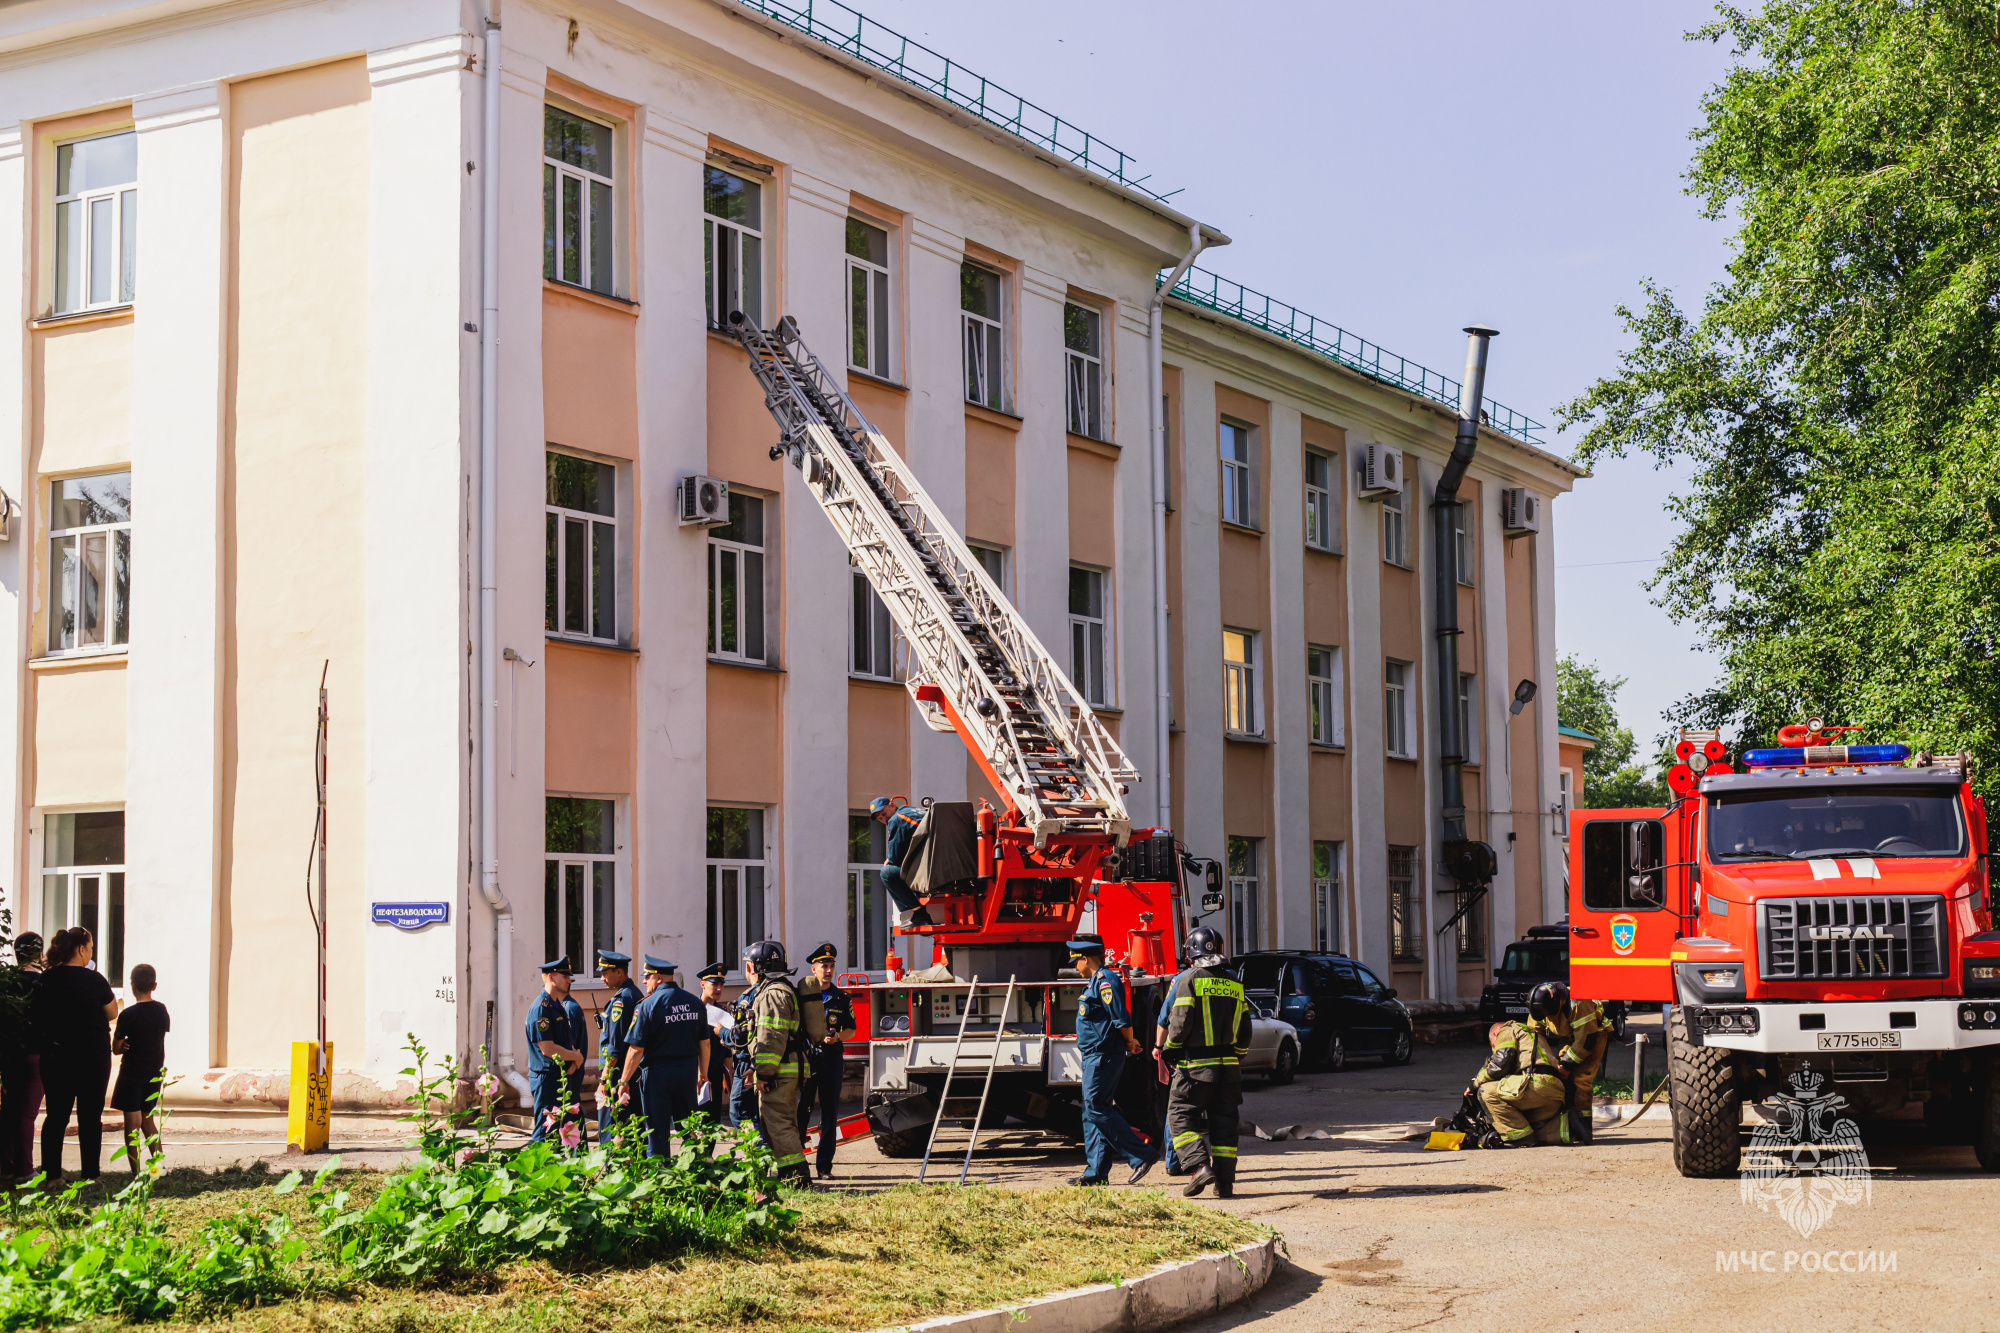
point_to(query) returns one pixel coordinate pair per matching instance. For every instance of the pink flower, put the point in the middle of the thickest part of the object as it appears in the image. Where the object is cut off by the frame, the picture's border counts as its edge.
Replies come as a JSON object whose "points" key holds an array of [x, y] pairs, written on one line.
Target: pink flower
{"points": [[486, 1085], [465, 1156], [549, 1117], [571, 1135]]}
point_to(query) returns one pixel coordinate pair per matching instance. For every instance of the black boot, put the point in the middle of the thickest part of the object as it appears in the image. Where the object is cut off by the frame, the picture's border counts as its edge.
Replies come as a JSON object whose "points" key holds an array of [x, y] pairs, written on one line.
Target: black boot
{"points": [[1201, 1181], [1225, 1186]]}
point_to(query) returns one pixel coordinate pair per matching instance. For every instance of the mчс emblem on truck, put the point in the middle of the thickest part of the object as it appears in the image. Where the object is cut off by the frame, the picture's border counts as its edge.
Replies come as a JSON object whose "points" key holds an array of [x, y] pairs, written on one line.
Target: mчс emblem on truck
{"points": [[1624, 933]]}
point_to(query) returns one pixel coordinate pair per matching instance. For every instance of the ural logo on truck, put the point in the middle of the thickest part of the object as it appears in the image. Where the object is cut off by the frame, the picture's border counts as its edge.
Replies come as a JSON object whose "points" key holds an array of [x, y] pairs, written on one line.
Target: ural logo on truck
{"points": [[1822, 903]]}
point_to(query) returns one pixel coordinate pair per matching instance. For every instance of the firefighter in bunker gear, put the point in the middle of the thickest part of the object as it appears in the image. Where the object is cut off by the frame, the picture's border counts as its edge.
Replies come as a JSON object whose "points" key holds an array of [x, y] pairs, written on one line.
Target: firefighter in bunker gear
{"points": [[1208, 1034], [1521, 1087], [782, 1022]]}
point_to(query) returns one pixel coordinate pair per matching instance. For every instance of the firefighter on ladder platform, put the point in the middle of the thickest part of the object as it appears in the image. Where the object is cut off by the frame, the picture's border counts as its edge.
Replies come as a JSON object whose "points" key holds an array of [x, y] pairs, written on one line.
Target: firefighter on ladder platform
{"points": [[902, 819]]}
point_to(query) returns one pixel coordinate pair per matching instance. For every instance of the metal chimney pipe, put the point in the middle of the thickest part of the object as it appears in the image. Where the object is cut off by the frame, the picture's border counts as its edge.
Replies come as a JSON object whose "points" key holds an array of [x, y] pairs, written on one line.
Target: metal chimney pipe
{"points": [[1451, 743]]}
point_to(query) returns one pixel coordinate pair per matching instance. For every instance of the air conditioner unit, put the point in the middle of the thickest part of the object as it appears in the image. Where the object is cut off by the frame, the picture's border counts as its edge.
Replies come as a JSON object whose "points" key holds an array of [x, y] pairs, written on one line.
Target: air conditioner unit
{"points": [[1520, 511], [1381, 468], [704, 502]]}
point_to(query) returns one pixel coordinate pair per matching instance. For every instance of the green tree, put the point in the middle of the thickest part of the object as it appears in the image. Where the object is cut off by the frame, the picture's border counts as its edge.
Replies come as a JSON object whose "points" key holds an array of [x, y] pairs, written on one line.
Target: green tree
{"points": [[1837, 397], [1587, 699]]}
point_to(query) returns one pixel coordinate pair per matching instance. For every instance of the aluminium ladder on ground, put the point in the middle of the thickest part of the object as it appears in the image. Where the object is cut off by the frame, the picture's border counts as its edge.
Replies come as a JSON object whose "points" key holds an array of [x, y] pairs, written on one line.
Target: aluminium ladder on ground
{"points": [[957, 1067], [1056, 761]]}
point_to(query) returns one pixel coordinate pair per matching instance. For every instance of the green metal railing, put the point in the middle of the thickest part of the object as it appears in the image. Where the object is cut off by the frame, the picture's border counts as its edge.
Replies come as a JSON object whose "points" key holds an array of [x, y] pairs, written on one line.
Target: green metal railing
{"points": [[859, 36], [1212, 292]]}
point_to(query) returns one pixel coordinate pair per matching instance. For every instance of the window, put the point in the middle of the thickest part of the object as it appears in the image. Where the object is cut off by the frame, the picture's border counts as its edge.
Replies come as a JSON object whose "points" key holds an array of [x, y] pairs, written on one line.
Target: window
{"points": [[1461, 541], [1396, 710], [1319, 502], [1395, 536], [1083, 354], [1239, 682], [579, 879], [1623, 864], [1237, 497], [1468, 716], [1242, 904], [872, 642], [97, 221], [1470, 928], [980, 301], [90, 561], [1405, 931], [83, 882], [735, 883], [1565, 798], [867, 905], [582, 591], [1087, 664], [736, 582], [577, 214], [732, 241], [868, 297], [993, 560], [1324, 714], [1326, 896]]}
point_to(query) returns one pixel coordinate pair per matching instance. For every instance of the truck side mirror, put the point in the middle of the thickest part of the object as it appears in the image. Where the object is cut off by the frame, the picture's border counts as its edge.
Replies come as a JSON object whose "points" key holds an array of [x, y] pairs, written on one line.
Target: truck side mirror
{"points": [[1635, 844]]}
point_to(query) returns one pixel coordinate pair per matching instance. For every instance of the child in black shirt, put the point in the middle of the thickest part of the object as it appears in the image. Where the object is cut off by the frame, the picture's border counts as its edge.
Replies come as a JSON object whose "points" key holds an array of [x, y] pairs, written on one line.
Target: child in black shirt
{"points": [[140, 1039]]}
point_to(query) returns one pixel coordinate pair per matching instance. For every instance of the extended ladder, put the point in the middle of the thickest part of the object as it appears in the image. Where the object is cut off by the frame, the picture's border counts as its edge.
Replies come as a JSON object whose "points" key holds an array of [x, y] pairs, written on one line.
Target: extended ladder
{"points": [[982, 671]]}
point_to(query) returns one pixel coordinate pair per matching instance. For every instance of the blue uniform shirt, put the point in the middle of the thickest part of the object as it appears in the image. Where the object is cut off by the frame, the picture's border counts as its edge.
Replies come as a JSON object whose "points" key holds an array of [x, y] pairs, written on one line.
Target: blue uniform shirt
{"points": [[1100, 1013], [839, 1015], [670, 1025], [902, 825], [548, 1020], [614, 1026], [579, 1028]]}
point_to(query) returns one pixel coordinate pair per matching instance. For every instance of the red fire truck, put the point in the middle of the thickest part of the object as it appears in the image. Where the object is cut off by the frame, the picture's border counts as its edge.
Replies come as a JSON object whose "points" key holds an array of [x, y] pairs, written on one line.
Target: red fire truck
{"points": [[1821, 904]]}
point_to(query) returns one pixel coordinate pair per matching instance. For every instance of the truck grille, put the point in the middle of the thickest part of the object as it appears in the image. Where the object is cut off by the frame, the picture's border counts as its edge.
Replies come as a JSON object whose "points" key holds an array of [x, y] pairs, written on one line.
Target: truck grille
{"points": [[1850, 938]]}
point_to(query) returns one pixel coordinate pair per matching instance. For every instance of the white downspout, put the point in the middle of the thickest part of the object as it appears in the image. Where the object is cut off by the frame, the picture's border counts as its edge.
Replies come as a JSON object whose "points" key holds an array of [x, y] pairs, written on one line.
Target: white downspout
{"points": [[1163, 673], [489, 521]]}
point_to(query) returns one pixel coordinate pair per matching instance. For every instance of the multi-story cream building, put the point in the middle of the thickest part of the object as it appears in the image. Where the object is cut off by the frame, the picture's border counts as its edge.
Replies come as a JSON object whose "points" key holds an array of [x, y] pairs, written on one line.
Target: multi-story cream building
{"points": [[272, 346]]}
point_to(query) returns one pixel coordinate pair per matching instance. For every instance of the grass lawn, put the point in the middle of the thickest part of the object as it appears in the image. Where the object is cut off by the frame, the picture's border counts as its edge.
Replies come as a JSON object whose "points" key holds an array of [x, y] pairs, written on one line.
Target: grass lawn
{"points": [[857, 1261]]}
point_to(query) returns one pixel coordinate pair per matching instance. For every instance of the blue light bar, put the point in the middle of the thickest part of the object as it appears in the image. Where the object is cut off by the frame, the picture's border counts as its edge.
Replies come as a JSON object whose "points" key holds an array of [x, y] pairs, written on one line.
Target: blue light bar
{"points": [[1800, 756]]}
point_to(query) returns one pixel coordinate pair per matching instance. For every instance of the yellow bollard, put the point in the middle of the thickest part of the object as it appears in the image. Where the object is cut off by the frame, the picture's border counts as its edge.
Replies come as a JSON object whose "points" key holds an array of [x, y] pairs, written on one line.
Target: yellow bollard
{"points": [[311, 1104]]}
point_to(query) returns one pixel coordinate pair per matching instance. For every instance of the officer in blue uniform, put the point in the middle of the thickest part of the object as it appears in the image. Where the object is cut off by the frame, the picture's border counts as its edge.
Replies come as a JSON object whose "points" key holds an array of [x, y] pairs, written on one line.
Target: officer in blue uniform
{"points": [[1104, 1038], [669, 1041], [614, 1023], [715, 1105], [555, 1049], [826, 1062]]}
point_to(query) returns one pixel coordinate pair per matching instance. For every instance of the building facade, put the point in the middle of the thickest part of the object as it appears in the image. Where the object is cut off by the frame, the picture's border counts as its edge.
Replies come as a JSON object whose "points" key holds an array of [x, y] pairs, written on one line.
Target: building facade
{"points": [[251, 354]]}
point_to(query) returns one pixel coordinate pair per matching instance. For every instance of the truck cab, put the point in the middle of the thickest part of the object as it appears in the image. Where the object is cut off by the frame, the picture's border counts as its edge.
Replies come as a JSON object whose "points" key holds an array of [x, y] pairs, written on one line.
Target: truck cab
{"points": [[1825, 907]]}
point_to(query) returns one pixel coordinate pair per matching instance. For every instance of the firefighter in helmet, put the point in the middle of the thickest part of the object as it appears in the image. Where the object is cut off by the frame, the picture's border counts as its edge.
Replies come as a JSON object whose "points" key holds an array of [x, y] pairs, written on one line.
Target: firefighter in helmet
{"points": [[782, 1023], [1580, 1032], [1522, 1089], [1208, 1034]]}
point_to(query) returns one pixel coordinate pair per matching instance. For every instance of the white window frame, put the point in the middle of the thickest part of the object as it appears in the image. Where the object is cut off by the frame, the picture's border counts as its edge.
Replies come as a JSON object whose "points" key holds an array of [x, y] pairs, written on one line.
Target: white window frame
{"points": [[121, 201], [1326, 721], [733, 237], [1462, 533], [1412, 924], [1083, 377], [1239, 473], [65, 586], [557, 526], [1395, 530], [593, 932], [717, 872], [1327, 890], [1245, 931], [877, 296], [1397, 740], [880, 655], [1091, 671], [721, 551], [868, 904], [109, 959], [1566, 798], [1321, 521], [1468, 714], [555, 171], [1240, 703], [983, 342], [993, 559]]}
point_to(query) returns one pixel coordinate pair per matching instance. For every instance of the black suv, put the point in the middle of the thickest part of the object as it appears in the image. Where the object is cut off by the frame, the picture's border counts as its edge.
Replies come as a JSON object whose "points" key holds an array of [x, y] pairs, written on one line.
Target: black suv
{"points": [[1543, 956], [1337, 1005]]}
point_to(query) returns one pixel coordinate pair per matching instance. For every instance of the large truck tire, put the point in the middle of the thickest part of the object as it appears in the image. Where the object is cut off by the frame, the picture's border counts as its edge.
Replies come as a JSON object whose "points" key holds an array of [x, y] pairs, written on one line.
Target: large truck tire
{"points": [[902, 1128], [1986, 1117], [1707, 1104]]}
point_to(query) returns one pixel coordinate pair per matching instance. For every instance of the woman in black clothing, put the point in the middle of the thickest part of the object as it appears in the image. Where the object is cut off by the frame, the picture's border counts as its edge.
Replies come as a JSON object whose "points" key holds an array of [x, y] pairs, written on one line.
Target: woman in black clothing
{"points": [[70, 1017]]}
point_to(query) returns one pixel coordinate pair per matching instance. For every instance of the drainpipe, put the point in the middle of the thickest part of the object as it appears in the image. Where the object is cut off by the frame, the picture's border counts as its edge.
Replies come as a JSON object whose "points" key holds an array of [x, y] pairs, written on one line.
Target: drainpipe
{"points": [[1451, 744], [1163, 675], [489, 522]]}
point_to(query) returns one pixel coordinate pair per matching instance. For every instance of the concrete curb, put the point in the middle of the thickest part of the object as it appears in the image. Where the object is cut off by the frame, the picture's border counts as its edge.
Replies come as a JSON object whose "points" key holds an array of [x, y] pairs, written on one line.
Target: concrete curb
{"points": [[1167, 1295]]}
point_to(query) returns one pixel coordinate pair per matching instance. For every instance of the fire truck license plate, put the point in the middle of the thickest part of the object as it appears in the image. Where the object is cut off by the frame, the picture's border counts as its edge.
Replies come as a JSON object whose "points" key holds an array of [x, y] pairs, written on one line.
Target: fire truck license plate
{"points": [[1861, 1041]]}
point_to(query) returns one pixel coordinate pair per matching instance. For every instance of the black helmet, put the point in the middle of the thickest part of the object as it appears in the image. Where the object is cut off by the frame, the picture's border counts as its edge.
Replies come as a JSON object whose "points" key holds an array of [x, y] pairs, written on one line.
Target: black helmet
{"points": [[1203, 940], [1548, 999], [768, 957]]}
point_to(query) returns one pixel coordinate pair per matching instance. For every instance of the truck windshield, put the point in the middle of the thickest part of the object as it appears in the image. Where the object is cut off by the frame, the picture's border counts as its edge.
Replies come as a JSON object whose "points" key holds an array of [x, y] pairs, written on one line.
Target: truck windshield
{"points": [[1868, 821], [1546, 960]]}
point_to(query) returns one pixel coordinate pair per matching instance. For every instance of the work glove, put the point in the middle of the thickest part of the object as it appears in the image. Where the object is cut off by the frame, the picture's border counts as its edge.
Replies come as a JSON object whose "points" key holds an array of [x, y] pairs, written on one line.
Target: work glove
{"points": [[1566, 1064]]}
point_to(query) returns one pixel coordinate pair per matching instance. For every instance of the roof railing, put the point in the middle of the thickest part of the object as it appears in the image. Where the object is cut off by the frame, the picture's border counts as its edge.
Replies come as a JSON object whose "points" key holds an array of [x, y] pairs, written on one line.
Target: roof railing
{"points": [[1199, 287], [859, 36]]}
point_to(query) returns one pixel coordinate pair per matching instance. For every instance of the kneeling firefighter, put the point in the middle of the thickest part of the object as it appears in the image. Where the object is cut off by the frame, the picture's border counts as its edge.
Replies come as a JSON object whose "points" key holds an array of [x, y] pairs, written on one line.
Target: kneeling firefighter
{"points": [[782, 1023], [1208, 1034], [1530, 1084]]}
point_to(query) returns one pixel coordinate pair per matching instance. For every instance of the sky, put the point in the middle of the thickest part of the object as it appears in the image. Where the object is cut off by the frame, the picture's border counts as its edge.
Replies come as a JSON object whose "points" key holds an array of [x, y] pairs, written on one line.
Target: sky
{"points": [[1404, 170]]}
